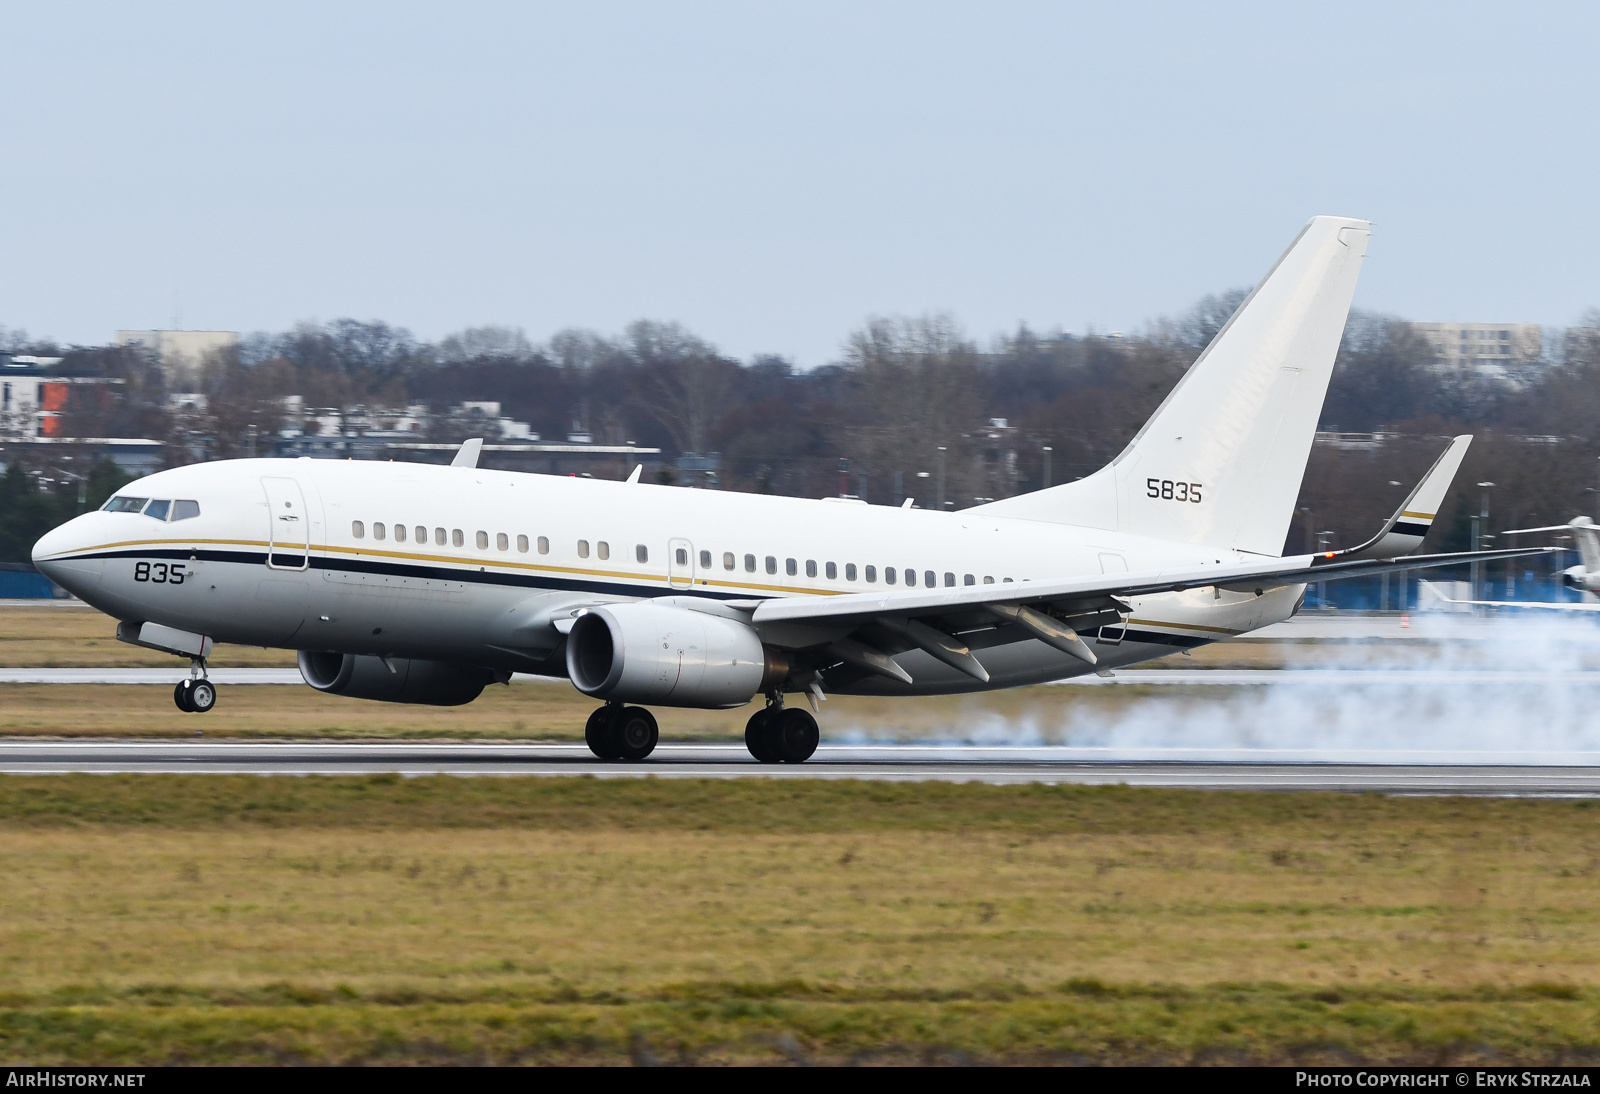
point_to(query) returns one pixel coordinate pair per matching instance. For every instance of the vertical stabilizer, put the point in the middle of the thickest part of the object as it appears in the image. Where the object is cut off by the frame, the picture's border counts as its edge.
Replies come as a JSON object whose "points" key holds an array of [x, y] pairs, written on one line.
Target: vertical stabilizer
{"points": [[1220, 461]]}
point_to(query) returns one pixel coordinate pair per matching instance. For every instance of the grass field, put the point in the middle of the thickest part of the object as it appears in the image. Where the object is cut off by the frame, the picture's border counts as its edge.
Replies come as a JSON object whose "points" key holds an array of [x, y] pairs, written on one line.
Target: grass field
{"points": [[195, 919], [56, 634], [531, 711]]}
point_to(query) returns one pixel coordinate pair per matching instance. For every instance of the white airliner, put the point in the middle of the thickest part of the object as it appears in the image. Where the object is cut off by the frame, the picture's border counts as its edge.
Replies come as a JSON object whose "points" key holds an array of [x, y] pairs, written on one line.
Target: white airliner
{"points": [[423, 584], [1585, 576]]}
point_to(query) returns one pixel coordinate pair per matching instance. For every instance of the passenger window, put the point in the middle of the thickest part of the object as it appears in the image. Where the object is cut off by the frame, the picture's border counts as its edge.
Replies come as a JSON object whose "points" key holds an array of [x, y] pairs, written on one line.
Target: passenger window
{"points": [[969, 580], [1005, 581], [482, 540], [872, 575], [125, 505], [772, 564], [603, 549], [749, 564], [831, 571], [583, 548], [358, 529], [544, 545], [911, 577], [705, 560], [811, 567], [791, 567], [158, 509], [931, 579], [987, 580], [399, 533], [502, 542], [522, 544], [727, 560], [642, 553], [456, 538], [422, 534], [377, 530], [183, 510], [950, 580], [682, 556], [849, 571], [888, 575]]}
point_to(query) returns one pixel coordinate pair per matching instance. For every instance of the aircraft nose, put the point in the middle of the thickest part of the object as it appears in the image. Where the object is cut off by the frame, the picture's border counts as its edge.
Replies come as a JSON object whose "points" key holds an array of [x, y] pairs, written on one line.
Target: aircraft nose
{"points": [[52, 554]]}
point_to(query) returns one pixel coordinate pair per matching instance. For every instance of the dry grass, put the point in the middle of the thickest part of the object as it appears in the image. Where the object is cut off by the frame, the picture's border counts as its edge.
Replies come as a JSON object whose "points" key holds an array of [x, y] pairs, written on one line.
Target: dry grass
{"points": [[55, 634], [217, 918], [52, 634], [524, 711]]}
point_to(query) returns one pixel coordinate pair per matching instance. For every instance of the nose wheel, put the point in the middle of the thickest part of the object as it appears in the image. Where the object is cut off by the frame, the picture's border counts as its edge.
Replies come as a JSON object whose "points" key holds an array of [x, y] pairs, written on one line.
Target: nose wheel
{"points": [[196, 694]]}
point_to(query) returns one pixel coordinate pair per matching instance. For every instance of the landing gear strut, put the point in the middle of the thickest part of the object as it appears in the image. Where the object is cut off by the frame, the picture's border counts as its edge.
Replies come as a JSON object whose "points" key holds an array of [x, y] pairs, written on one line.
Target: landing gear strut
{"points": [[195, 694], [779, 734], [616, 732]]}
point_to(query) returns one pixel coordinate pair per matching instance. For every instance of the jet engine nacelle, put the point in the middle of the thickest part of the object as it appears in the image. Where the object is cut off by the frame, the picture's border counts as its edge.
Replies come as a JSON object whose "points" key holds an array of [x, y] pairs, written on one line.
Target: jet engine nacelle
{"points": [[1576, 577], [435, 683], [652, 653]]}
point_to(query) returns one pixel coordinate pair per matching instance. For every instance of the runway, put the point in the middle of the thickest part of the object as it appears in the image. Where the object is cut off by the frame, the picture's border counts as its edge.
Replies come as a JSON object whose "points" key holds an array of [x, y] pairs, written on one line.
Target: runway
{"points": [[1492, 774], [1400, 677]]}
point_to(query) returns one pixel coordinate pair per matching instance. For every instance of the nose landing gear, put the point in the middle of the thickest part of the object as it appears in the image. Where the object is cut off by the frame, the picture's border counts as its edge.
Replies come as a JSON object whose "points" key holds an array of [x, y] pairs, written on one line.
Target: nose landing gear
{"points": [[617, 732], [778, 734], [196, 694]]}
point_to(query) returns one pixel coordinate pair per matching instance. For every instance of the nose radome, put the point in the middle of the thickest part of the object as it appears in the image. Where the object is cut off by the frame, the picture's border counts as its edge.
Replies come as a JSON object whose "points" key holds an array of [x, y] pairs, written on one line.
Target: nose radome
{"points": [[58, 542], [53, 542]]}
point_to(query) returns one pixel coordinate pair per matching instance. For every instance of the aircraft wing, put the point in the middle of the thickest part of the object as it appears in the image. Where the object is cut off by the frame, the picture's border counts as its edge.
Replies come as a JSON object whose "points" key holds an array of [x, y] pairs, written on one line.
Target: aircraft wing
{"points": [[1544, 605], [1267, 574], [876, 625]]}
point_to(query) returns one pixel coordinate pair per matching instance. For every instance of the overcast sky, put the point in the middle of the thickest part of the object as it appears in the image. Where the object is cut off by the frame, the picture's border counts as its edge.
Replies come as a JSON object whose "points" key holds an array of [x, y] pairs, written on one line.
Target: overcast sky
{"points": [[771, 176]]}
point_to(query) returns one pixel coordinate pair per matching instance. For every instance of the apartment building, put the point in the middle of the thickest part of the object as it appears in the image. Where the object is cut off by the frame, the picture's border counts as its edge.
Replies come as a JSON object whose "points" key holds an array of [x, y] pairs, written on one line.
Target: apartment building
{"points": [[1489, 349]]}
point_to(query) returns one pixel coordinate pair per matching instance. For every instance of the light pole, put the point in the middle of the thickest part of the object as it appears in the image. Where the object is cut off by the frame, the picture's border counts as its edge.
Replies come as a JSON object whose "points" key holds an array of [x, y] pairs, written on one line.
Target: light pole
{"points": [[1479, 525], [1047, 451], [1383, 579], [921, 475], [941, 478]]}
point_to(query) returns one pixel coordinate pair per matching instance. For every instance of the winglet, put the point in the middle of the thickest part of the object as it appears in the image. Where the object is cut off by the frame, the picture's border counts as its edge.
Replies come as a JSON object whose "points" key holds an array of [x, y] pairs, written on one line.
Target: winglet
{"points": [[1405, 531], [633, 476], [468, 454]]}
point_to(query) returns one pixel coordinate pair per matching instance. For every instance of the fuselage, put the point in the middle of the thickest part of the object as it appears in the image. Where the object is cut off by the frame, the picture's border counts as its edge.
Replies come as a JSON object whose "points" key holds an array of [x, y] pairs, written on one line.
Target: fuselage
{"points": [[477, 566]]}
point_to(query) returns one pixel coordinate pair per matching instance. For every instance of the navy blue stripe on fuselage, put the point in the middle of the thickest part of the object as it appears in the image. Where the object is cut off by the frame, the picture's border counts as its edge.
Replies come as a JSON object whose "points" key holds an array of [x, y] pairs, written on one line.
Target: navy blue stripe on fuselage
{"points": [[425, 572]]}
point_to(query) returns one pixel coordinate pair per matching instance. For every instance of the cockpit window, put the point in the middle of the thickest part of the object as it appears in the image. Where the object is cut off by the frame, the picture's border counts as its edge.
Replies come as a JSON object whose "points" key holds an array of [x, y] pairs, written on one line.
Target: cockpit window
{"points": [[125, 505], [158, 509], [183, 510]]}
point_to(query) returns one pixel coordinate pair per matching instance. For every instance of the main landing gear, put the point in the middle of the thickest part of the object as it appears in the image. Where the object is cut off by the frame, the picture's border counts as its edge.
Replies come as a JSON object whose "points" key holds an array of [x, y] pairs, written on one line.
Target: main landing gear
{"points": [[779, 734], [195, 694], [617, 732]]}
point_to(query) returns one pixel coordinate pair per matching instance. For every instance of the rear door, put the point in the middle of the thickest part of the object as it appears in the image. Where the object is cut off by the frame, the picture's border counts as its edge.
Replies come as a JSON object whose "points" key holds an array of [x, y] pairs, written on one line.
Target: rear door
{"points": [[288, 525]]}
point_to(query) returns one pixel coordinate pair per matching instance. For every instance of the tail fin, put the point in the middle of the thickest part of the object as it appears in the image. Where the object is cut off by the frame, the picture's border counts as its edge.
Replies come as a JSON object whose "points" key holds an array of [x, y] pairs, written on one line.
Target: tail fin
{"points": [[1220, 461], [1588, 537]]}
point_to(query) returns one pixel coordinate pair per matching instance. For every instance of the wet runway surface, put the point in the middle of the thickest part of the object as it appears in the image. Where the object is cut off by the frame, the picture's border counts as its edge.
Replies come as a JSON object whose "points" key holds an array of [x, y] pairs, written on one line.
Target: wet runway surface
{"points": [[1559, 775]]}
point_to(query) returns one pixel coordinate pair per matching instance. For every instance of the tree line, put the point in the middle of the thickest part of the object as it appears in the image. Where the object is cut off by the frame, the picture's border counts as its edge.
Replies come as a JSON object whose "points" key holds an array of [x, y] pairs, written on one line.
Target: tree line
{"points": [[902, 390]]}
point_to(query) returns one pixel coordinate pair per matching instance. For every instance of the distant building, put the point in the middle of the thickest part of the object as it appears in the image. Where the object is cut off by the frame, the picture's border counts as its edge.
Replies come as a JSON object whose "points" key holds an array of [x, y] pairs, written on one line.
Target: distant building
{"points": [[1488, 349], [179, 351], [33, 397]]}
